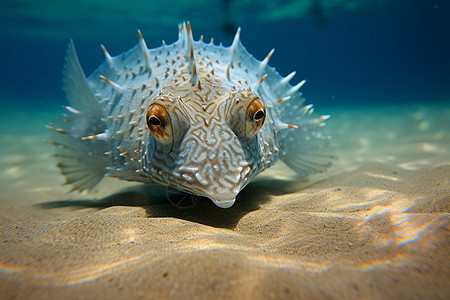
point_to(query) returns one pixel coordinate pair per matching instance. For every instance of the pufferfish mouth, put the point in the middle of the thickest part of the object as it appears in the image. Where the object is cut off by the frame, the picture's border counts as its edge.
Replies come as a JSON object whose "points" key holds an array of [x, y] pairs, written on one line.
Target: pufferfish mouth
{"points": [[223, 200], [223, 194]]}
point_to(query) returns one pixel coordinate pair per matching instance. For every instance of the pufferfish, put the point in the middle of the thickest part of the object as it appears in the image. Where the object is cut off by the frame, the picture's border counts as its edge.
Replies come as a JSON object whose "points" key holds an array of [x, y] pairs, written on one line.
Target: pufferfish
{"points": [[194, 116]]}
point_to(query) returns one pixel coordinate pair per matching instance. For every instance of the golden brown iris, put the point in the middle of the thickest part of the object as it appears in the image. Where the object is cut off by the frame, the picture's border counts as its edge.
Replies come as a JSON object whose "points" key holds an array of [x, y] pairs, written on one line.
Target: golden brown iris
{"points": [[254, 118], [159, 124]]}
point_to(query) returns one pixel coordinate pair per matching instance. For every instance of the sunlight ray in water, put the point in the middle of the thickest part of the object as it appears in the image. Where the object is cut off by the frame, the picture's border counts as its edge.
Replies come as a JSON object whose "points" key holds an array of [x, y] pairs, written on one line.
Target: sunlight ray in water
{"points": [[427, 147], [131, 235], [402, 227], [414, 165], [5, 269], [366, 198], [409, 227], [82, 274], [287, 263], [95, 271], [13, 172], [213, 240], [397, 261], [382, 176]]}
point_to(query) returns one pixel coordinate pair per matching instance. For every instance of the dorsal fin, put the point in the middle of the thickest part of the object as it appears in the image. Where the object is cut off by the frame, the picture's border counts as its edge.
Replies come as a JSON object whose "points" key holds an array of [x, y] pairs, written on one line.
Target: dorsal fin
{"points": [[286, 79], [108, 57], [295, 88], [144, 50], [235, 43], [181, 28], [183, 38], [78, 92], [118, 88], [191, 59], [233, 49], [263, 65], [258, 83]]}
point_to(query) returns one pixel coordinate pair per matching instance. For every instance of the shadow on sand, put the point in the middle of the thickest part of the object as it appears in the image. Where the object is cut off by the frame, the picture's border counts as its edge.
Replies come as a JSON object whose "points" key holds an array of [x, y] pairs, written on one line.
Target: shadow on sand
{"points": [[155, 201]]}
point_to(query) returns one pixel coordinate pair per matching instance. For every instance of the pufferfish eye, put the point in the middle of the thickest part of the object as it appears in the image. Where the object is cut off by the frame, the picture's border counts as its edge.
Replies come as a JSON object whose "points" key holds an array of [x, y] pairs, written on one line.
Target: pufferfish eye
{"points": [[154, 121], [160, 124], [259, 115], [254, 118]]}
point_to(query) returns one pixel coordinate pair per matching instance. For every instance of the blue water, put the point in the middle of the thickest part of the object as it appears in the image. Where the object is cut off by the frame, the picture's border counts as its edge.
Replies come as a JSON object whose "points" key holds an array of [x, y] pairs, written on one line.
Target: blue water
{"points": [[396, 52]]}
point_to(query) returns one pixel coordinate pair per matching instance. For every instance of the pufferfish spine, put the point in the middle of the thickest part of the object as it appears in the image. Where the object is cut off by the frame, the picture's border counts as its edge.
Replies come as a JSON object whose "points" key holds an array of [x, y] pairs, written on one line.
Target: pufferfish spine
{"points": [[193, 116]]}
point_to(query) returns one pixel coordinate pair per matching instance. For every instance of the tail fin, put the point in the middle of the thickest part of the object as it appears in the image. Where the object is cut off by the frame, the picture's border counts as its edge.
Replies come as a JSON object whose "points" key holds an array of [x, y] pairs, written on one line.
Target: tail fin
{"points": [[80, 135]]}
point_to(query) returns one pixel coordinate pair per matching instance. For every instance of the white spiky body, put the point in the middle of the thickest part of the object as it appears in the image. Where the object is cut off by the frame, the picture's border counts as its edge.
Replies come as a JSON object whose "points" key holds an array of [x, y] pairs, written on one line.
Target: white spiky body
{"points": [[202, 86]]}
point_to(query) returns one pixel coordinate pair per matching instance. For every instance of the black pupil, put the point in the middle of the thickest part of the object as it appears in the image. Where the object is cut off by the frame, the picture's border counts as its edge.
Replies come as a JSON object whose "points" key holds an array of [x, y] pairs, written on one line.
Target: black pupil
{"points": [[259, 115], [154, 121]]}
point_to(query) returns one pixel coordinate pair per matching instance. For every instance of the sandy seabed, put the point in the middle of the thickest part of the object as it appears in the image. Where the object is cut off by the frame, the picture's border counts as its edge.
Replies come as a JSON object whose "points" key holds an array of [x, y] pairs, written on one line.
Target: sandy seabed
{"points": [[375, 225]]}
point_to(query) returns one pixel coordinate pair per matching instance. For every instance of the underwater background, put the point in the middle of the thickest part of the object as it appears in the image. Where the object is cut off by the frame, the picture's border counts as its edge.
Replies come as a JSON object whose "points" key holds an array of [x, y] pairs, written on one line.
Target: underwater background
{"points": [[349, 52], [374, 226]]}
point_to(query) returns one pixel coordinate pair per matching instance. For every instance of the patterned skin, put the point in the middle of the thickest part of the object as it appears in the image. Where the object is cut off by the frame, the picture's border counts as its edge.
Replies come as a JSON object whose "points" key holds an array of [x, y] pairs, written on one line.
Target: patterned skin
{"points": [[192, 116]]}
